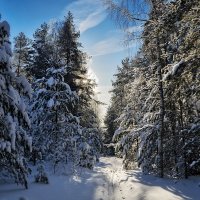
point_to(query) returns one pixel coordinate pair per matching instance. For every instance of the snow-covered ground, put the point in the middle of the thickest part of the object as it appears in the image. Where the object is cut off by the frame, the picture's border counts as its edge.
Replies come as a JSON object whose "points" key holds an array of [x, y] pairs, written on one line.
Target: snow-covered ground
{"points": [[108, 181]]}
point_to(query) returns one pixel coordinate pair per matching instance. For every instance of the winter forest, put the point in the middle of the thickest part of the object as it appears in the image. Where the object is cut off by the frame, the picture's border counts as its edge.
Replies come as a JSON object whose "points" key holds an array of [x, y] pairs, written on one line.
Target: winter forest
{"points": [[55, 144]]}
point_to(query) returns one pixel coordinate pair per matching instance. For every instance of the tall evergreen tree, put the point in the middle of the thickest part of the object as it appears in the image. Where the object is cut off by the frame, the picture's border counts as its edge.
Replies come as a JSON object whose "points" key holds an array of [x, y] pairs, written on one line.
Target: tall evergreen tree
{"points": [[14, 141], [74, 58], [63, 81], [53, 125], [167, 128], [22, 54], [77, 77], [43, 51], [118, 101]]}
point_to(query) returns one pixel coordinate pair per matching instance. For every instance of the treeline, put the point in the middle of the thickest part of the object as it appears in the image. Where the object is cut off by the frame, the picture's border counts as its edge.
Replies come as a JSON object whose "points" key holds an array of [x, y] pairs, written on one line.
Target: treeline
{"points": [[154, 117], [53, 118]]}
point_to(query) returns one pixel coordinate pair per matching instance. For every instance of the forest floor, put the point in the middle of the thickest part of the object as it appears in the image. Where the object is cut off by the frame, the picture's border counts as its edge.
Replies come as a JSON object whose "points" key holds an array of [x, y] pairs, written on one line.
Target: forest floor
{"points": [[108, 181]]}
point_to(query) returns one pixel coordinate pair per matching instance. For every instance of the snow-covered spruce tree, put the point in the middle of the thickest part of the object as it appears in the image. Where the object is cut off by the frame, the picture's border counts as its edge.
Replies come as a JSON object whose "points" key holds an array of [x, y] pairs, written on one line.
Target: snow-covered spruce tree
{"points": [[91, 131], [118, 101], [22, 54], [14, 120], [43, 52], [69, 50], [181, 77], [55, 129], [178, 61], [41, 61], [110, 124], [175, 156], [75, 59], [58, 47], [77, 77], [58, 135], [88, 114], [131, 130], [126, 12], [171, 58]]}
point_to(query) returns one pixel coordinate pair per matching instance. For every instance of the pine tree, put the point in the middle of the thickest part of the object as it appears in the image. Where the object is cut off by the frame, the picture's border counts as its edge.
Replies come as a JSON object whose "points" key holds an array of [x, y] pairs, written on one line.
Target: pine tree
{"points": [[22, 54], [53, 125], [75, 59], [65, 126], [77, 78], [14, 141], [43, 52], [163, 138], [110, 124], [68, 40]]}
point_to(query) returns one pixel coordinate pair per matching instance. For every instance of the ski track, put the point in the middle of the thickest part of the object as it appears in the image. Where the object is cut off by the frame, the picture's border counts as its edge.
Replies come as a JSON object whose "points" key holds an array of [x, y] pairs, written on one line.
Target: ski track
{"points": [[108, 181], [113, 172], [134, 185]]}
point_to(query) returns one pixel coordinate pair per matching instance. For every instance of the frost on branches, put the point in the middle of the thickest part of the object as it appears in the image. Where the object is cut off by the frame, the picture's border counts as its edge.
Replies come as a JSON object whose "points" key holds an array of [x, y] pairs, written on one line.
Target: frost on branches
{"points": [[58, 136], [159, 124], [14, 120]]}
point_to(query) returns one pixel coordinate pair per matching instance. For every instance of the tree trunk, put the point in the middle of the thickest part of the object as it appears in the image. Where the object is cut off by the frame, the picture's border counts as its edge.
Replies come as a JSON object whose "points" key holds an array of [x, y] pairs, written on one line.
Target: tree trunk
{"points": [[183, 138], [162, 112]]}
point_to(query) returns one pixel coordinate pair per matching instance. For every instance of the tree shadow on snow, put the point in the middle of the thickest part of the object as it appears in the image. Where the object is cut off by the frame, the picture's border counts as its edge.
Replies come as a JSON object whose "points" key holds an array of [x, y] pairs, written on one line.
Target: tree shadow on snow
{"points": [[88, 185], [187, 189], [15, 188], [103, 165]]}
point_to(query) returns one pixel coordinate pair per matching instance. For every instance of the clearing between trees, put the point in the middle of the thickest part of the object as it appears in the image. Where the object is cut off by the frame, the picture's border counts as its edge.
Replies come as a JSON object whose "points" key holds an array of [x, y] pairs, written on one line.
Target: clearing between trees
{"points": [[108, 181]]}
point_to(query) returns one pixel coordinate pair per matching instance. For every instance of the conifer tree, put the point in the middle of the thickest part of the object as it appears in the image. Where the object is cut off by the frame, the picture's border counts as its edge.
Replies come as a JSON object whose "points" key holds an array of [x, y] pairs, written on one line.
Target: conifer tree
{"points": [[77, 77], [14, 120], [65, 85], [54, 126], [76, 60], [22, 54], [162, 141], [42, 57]]}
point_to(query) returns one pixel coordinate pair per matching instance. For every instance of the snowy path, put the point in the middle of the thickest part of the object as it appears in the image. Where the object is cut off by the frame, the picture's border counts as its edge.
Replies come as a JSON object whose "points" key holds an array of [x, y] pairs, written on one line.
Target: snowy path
{"points": [[133, 185], [108, 181]]}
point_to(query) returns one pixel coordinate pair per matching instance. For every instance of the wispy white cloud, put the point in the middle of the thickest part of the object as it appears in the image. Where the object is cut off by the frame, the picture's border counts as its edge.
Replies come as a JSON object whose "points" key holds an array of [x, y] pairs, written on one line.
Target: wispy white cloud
{"points": [[108, 46], [92, 20], [132, 29], [87, 13]]}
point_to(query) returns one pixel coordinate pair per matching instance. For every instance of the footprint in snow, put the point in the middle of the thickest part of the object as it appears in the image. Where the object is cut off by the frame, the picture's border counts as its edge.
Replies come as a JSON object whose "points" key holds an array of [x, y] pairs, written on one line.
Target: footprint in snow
{"points": [[131, 188]]}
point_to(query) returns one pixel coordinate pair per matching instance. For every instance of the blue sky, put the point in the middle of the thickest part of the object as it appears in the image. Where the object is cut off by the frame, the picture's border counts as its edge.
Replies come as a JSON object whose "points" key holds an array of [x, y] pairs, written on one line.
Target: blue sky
{"points": [[100, 37]]}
